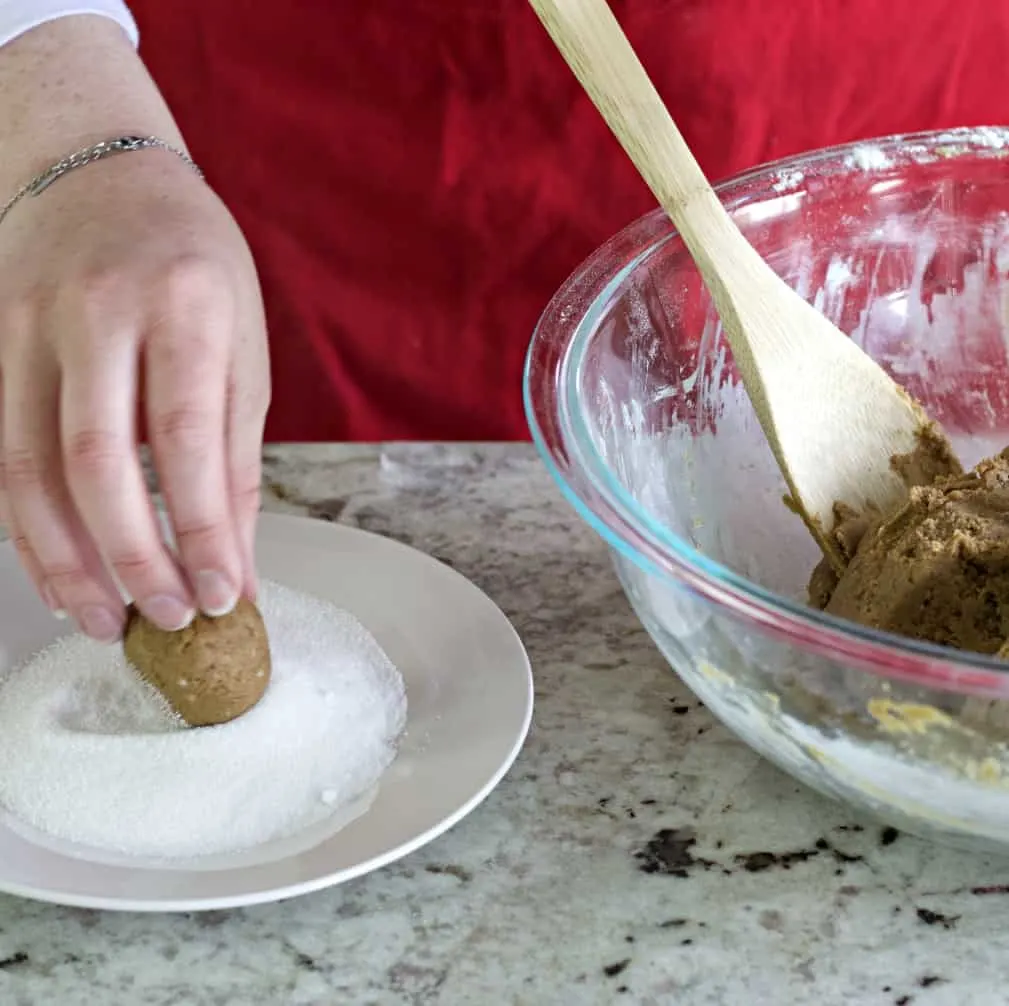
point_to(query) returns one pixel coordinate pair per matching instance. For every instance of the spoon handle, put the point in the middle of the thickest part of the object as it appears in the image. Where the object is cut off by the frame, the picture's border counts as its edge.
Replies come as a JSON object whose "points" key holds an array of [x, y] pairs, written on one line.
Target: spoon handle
{"points": [[600, 56]]}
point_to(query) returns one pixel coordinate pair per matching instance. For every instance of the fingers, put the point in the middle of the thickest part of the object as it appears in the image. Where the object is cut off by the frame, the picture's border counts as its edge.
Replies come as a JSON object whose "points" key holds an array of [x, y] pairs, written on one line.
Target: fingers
{"points": [[77, 496], [187, 367], [31, 565], [29, 562], [244, 477], [97, 409], [248, 401], [54, 547], [158, 292]]}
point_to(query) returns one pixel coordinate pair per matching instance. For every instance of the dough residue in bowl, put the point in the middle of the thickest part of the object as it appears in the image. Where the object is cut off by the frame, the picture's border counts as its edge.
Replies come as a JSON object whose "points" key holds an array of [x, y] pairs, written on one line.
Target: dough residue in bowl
{"points": [[937, 568]]}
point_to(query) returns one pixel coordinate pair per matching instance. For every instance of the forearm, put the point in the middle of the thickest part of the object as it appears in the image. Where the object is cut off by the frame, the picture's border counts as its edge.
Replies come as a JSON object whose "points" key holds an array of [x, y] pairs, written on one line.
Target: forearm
{"points": [[68, 83]]}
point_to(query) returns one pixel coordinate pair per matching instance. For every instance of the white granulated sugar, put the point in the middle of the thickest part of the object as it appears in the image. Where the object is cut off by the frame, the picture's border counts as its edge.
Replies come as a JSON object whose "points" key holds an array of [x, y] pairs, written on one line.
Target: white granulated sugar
{"points": [[90, 754]]}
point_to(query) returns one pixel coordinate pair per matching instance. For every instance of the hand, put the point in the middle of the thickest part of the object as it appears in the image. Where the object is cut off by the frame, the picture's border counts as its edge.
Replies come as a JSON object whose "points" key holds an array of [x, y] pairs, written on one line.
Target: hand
{"points": [[127, 276]]}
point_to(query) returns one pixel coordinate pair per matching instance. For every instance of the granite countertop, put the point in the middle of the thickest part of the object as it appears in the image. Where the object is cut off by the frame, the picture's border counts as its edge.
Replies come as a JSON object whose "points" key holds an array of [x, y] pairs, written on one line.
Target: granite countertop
{"points": [[636, 853]]}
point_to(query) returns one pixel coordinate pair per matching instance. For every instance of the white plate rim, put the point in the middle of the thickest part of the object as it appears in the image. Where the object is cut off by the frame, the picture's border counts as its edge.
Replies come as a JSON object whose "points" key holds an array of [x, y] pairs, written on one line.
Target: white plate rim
{"points": [[125, 903]]}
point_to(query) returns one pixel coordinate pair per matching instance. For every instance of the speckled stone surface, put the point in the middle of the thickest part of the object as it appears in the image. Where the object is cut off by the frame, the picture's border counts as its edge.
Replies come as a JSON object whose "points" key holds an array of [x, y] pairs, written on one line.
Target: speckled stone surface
{"points": [[635, 854]]}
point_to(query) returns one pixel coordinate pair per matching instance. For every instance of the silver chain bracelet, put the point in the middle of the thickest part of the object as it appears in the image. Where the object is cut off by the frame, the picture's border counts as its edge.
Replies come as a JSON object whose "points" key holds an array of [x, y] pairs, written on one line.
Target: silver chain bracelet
{"points": [[87, 155]]}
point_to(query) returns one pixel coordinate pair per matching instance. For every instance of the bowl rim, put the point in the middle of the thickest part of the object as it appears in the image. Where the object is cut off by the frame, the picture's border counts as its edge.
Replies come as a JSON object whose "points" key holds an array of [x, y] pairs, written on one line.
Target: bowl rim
{"points": [[627, 528]]}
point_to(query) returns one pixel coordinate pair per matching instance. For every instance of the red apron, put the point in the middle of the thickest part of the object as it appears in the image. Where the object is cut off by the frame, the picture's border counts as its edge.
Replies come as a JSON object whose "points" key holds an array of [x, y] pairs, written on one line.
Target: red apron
{"points": [[416, 177]]}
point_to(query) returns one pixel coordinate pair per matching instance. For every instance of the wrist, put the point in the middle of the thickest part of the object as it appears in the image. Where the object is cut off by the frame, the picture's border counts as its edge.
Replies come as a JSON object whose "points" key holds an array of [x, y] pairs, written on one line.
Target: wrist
{"points": [[68, 84]]}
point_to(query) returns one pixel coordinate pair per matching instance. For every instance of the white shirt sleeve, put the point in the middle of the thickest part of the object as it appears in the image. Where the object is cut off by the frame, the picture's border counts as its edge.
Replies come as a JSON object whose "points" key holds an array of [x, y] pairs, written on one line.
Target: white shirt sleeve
{"points": [[19, 16]]}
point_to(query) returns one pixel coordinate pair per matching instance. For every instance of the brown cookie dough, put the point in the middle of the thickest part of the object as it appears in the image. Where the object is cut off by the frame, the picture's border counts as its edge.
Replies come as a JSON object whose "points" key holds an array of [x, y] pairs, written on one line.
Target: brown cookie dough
{"points": [[212, 671], [937, 569], [932, 458]]}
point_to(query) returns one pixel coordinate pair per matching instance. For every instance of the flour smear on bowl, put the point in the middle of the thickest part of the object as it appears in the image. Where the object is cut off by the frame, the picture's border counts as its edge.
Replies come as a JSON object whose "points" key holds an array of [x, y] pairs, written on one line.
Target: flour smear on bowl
{"points": [[92, 755]]}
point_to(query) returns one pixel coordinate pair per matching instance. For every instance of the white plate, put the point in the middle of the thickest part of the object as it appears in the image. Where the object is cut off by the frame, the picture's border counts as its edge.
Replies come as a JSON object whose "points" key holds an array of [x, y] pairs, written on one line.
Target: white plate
{"points": [[469, 689]]}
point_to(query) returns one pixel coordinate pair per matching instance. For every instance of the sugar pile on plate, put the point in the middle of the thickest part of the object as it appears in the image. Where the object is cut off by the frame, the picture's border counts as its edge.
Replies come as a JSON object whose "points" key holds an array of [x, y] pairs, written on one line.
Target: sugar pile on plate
{"points": [[91, 754]]}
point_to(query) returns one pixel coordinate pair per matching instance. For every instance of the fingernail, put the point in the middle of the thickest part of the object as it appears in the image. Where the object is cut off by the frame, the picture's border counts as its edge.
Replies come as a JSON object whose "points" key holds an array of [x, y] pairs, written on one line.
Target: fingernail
{"points": [[167, 612], [215, 593], [53, 602], [100, 624]]}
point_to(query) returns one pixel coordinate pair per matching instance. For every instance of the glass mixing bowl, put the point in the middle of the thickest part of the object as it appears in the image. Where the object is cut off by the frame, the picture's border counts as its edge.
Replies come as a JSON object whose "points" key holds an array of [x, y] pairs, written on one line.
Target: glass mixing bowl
{"points": [[637, 408]]}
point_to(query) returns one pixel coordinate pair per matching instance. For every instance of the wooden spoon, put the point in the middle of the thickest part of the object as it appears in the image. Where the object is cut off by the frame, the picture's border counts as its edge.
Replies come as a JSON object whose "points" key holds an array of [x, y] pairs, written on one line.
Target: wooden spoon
{"points": [[833, 417]]}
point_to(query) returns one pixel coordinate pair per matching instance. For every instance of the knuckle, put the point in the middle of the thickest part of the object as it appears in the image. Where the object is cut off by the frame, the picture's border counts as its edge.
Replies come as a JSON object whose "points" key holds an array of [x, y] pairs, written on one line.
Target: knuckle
{"points": [[203, 533], [246, 476], [251, 401], [100, 297], [68, 581], [133, 565], [23, 546], [18, 313], [194, 281], [94, 454], [185, 429], [25, 469], [100, 288], [190, 320], [247, 495]]}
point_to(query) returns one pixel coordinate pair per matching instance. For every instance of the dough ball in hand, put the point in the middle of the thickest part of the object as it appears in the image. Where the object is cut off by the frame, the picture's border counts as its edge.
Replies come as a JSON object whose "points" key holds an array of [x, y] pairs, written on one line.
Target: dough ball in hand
{"points": [[210, 672]]}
